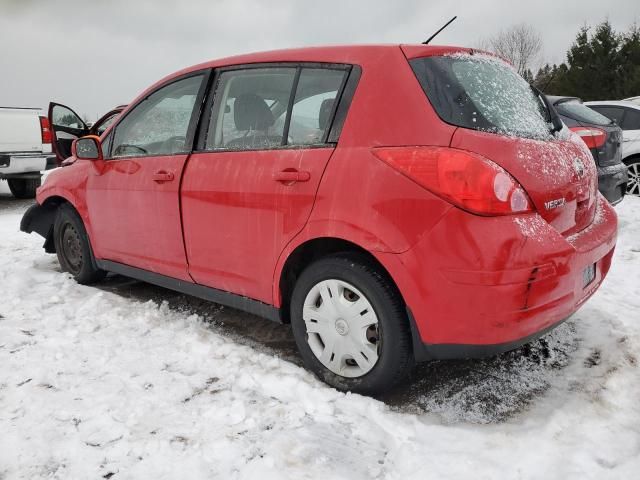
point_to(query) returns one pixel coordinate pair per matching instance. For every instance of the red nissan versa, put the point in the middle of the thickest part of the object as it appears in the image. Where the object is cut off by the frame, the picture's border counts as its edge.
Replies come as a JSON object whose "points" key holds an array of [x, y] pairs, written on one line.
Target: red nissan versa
{"points": [[394, 203]]}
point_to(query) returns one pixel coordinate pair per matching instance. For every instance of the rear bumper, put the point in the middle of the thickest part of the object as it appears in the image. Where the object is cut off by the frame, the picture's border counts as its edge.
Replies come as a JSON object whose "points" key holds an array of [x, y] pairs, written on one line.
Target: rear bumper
{"points": [[612, 182], [479, 286], [23, 165]]}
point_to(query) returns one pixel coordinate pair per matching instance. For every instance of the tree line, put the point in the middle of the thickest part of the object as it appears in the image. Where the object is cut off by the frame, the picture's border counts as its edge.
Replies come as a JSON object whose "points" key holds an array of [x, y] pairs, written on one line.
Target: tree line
{"points": [[601, 64]]}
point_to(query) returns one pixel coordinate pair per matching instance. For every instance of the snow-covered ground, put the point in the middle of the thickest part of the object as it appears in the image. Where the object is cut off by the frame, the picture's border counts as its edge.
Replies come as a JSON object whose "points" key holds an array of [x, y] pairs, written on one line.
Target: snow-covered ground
{"points": [[112, 382]]}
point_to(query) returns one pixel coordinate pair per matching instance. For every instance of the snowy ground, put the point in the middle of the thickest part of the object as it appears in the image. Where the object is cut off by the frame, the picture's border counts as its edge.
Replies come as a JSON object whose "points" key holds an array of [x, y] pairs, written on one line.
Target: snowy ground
{"points": [[133, 381]]}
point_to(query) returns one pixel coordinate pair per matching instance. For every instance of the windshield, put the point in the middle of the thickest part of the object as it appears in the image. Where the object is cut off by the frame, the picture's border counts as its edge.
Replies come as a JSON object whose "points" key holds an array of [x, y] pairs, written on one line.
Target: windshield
{"points": [[580, 112], [481, 92]]}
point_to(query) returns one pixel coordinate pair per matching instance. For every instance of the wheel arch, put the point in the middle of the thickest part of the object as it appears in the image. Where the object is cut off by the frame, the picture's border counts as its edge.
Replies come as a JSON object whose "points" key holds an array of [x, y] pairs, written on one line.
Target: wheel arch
{"points": [[633, 158], [307, 252], [40, 218]]}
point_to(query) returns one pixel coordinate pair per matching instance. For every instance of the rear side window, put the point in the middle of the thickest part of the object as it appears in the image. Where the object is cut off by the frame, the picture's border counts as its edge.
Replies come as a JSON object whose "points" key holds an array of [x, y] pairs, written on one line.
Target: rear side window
{"points": [[580, 112], [272, 107], [612, 113], [483, 93], [314, 104]]}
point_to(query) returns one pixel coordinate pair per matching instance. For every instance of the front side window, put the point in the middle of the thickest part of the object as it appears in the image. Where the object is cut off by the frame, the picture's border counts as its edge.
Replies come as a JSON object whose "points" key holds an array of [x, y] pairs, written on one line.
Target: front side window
{"points": [[158, 125], [482, 93]]}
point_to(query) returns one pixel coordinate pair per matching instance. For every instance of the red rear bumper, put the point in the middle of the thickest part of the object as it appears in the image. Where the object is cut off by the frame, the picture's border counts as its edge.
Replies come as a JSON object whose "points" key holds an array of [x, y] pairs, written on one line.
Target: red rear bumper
{"points": [[477, 286]]}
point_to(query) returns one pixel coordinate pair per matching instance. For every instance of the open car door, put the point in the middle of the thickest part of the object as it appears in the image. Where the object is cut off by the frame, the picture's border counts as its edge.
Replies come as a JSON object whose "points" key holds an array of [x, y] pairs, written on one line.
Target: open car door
{"points": [[66, 126]]}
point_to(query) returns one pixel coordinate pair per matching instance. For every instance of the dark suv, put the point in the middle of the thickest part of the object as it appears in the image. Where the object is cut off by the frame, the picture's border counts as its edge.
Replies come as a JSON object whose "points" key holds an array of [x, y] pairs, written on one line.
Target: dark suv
{"points": [[604, 139]]}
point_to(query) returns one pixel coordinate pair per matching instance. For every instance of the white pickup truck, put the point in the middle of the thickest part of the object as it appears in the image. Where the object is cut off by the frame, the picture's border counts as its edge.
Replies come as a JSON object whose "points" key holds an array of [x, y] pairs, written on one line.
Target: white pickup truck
{"points": [[25, 149]]}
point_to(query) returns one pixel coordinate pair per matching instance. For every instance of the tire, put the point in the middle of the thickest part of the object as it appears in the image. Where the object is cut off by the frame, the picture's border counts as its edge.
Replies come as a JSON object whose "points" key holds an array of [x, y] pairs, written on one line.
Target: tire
{"points": [[73, 248], [633, 182], [23, 188], [345, 348]]}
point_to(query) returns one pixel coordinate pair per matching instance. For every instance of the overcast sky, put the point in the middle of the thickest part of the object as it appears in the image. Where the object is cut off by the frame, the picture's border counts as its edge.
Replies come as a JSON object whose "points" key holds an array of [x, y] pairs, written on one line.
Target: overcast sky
{"points": [[93, 55]]}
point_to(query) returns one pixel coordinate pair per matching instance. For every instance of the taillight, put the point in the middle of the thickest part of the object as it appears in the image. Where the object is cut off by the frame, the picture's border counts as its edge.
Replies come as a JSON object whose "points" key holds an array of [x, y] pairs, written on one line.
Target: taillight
{"points": [[45, 129], [462, 178], [593, 137]]}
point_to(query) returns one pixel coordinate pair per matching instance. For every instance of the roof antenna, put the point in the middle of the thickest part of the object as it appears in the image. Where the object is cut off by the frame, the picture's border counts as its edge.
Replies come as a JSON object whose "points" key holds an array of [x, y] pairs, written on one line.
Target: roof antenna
{"points": [[441, 28]]}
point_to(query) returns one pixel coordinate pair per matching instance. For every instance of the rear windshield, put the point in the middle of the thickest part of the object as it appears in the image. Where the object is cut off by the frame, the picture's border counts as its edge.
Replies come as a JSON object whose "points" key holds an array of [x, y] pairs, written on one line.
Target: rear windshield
{"points": [[580, 112], [481, 92]]}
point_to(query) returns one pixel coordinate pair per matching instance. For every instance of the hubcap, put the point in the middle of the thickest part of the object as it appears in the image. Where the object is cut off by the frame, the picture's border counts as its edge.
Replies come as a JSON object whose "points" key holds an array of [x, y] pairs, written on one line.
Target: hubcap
{"points": [[72, 248], [633, 183], [342, 328]]}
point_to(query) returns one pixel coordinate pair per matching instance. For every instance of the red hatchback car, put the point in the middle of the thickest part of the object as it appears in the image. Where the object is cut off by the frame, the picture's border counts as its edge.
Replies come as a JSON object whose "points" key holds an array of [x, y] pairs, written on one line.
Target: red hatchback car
{"points": [[393, 203]]}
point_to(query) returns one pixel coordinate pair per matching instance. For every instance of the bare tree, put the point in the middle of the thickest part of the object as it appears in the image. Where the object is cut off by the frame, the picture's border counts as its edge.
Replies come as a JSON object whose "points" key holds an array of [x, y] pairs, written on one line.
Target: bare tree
{"points": [[520, 44]]}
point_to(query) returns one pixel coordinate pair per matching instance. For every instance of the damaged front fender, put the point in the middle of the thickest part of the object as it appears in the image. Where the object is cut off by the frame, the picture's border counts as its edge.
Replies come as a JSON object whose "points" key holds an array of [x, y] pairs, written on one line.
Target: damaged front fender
{"points": [[39, 219]]}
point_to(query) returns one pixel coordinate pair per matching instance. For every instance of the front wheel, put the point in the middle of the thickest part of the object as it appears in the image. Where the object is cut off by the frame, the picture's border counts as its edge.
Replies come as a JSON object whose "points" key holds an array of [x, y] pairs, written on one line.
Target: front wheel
{"points": [[350, 325], [633, 181], [73, 248], [23, 188]]}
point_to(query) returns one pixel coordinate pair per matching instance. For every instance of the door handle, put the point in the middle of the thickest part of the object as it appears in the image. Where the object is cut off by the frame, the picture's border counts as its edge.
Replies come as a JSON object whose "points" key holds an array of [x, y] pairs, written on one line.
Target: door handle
{"points": [[291, 176], [162, 176]]}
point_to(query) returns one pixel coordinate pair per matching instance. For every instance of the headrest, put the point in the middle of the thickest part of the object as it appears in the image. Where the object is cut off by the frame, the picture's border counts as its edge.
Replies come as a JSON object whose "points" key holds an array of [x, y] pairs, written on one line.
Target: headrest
{"points": [[250, 112], [325, 112]]}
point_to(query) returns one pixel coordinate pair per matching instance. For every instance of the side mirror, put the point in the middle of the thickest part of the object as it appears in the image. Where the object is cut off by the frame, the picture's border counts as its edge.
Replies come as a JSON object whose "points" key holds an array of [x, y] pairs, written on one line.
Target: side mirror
{"points": [[87, 148]]}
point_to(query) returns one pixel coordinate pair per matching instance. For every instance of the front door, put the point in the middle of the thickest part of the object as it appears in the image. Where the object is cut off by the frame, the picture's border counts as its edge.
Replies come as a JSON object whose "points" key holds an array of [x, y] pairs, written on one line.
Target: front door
{"points": [[133, 196], [251, 186], [66, 126]]}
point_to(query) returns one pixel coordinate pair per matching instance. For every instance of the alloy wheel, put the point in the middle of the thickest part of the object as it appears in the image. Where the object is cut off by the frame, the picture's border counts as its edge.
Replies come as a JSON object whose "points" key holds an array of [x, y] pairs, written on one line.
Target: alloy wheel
{"points": [[633, 182], [342, 328]]}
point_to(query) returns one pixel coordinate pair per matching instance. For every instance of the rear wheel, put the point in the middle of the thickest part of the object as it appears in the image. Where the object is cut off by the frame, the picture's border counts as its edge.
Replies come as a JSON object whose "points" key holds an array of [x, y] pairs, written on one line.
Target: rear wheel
{"points": [[633, 182], [350, 325], [23, 187], [73, 248]]}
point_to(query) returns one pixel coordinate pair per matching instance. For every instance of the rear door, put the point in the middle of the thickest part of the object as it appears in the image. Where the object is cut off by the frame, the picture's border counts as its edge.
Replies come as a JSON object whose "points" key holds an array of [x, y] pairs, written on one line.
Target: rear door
{"points": [[133, 196], [66, 126], [250, 187]]}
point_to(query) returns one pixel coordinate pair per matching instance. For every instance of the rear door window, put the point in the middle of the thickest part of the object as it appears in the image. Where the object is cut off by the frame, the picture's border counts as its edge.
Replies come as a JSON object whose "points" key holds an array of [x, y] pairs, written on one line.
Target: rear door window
{"points": [[246, 106], [483, 93], [257, 108]]}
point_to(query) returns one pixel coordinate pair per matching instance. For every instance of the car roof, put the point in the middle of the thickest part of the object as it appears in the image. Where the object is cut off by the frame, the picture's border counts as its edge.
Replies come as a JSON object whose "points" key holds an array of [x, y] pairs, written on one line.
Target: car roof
{"points": [[347, 54], [614, 103]]}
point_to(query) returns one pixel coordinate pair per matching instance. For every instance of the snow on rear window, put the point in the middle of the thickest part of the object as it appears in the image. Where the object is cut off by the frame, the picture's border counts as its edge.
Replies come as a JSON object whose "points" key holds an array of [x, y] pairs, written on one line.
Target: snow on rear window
{"points": [[482, 92]]}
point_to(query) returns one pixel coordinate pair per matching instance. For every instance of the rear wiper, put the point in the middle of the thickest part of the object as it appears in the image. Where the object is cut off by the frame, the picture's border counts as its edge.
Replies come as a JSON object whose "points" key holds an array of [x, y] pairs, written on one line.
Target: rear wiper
{"points": [[554, 118]]}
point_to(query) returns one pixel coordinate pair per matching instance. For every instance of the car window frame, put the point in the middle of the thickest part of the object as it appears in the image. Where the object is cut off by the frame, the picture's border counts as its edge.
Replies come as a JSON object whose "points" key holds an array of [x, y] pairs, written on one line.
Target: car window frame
{"points": [[194, 121], [329, 138]]}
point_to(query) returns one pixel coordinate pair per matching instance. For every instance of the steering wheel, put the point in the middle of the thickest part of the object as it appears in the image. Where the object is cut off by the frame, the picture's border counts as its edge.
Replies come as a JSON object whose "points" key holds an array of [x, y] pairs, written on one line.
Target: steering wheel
{"points": [[124, 147]]}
